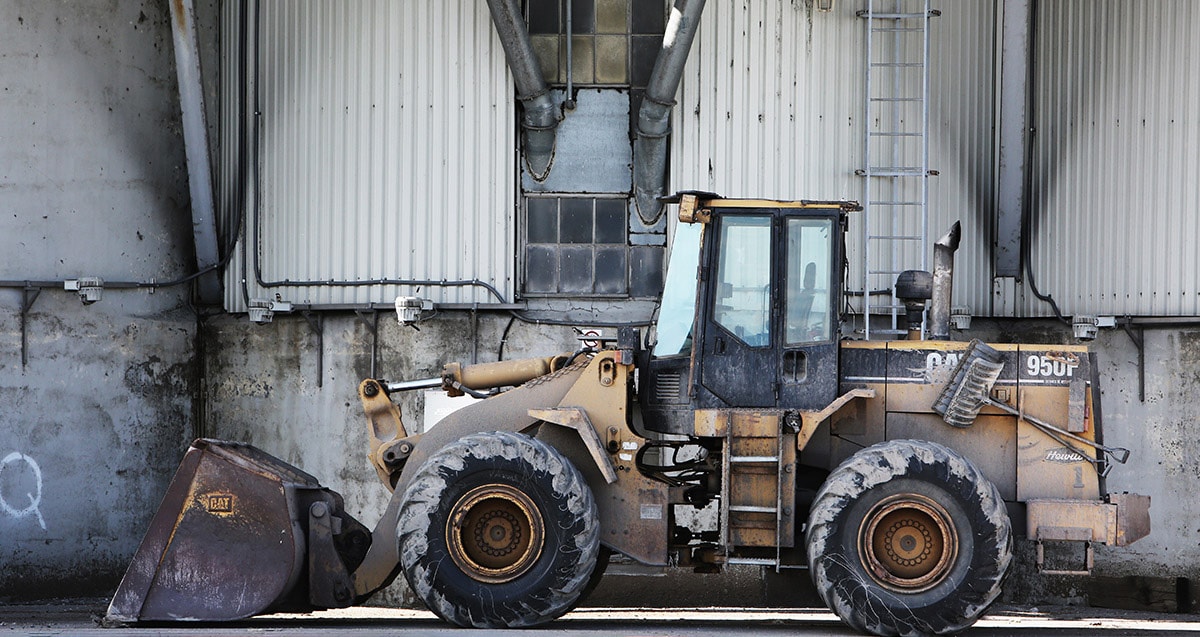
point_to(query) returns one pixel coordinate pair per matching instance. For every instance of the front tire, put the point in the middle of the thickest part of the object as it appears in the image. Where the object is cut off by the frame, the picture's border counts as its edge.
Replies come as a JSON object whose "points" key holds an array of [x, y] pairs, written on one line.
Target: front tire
{"points": [[498, 530], [908, 538]]}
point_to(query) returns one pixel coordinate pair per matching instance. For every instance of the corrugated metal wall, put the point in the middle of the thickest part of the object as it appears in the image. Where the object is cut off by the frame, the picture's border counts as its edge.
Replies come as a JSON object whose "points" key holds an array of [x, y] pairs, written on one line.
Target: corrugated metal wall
{"points": [[772, 104], [387, 142], [1117, 157], [386, 148]]}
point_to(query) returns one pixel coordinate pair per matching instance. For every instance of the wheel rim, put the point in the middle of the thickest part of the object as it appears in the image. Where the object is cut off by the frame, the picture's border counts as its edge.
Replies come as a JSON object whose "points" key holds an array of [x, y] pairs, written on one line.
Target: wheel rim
{"points": [[908, 543], [495, 533]]}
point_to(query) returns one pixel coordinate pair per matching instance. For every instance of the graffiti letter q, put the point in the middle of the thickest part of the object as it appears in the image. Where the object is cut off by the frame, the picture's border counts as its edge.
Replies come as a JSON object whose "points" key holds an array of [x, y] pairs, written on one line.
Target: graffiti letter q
{"points": [[34, 500]]}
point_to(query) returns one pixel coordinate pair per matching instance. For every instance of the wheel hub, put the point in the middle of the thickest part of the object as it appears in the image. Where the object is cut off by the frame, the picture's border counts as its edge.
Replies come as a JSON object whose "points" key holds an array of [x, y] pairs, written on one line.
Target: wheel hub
{"points": [[495, 533], [908, 543]]}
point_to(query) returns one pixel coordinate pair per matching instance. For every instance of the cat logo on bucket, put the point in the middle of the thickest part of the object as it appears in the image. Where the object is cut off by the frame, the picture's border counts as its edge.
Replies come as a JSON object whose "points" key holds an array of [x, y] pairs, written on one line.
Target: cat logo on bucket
{"points": [[218, 502]]}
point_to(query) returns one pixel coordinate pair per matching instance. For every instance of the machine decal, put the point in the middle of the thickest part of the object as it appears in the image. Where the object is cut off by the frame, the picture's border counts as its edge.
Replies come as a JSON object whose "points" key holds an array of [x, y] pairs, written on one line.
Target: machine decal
{"points": [[220, 503], [1051, 364], [1063, 455]]}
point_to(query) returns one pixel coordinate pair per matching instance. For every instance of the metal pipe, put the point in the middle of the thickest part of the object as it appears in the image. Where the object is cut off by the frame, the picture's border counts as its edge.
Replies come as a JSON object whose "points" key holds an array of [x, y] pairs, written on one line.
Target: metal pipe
{"points": [[195, 142], [569, 25], [943, 283], [409, 385], [654, 116], [541, 114]]}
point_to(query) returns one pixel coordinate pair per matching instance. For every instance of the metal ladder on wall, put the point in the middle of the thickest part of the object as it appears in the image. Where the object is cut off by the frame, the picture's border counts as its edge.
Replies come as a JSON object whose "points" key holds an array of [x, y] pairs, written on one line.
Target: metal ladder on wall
{"points": [[896, 151]]}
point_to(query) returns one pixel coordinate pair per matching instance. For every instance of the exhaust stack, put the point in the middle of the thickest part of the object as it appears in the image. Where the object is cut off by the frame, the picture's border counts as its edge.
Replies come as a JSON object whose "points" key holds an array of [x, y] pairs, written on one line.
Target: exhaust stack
{"points": [[943, 283]]}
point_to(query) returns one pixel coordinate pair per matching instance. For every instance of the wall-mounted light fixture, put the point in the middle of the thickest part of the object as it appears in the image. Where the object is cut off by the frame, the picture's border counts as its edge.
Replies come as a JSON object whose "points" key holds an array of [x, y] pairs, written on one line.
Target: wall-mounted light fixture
{"points": [[824, 6], [409, 309], [960, 318], [90, 288], [1087, 327], [262, 311]]}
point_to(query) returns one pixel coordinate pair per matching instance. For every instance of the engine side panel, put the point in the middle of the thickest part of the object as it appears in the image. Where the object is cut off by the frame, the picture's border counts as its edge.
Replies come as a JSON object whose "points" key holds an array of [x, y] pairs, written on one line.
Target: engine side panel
{"points": [[1051, 382]]}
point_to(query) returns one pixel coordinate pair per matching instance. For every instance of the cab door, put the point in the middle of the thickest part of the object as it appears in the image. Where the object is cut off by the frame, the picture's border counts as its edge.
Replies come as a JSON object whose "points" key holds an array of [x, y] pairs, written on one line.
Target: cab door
{"points": [[738, 362], [810, 287]]}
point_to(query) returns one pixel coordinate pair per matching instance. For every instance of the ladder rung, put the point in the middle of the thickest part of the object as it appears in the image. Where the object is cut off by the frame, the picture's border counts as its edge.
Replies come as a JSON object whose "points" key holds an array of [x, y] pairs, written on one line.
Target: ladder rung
{"points": [[895, 29], [896, 171], [752, 561], [895, 237], [757, 459], [911, 65], [891, 16], [895, 203], [750, 509], [892, 332], [897, 99], [885, 272], [896, 134]]}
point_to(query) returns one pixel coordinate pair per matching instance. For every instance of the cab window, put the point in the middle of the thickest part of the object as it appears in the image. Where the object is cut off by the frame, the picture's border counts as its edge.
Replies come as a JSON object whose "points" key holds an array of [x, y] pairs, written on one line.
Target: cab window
{"points": [[808, 309], [742, 303]]}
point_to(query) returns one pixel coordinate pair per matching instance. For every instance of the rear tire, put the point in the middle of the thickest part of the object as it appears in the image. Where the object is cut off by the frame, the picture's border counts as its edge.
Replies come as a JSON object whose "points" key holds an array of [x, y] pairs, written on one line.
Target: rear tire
{"points": [[908, 538], [498, 530]]}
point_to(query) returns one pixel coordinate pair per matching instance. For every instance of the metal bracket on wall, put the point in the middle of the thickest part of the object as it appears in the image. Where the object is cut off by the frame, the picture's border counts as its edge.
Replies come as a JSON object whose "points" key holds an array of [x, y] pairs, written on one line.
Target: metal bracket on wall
{"points": [[1139, 341], [316, 323], [372, 326], [28, 296], [474, 334]]}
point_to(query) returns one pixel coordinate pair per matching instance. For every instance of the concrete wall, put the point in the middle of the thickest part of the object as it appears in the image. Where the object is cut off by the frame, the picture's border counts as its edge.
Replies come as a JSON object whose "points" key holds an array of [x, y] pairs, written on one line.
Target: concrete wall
{"points": [[92, 183], [1158, 431], [262, 389], [263, 386]]}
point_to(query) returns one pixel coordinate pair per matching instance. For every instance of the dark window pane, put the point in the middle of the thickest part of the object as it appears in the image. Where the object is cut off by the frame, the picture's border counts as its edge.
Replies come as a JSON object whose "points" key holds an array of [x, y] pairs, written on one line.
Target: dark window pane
{"points": [[576, 221], [644, 52], [649, 16], [543, 220], [646, 271], [540, 266], [611, 65], [545, 47], [576, 270], [583, 18], [610, 270], [610, 221], [583, 60], [610, 16], [543, 16]]}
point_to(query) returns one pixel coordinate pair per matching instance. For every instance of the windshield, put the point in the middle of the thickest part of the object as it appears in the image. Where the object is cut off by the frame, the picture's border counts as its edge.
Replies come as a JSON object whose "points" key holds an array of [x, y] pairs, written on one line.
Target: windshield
{"points": [[678, 309]]}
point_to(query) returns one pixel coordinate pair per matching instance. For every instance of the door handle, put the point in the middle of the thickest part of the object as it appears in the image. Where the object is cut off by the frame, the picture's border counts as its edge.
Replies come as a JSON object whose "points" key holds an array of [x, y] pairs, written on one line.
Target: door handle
{"points": [[795, 366], [719, 345]]}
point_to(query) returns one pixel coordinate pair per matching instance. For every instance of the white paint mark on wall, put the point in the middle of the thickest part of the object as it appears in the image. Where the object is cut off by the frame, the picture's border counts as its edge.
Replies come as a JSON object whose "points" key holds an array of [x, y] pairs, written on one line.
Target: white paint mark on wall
{"points": [[12, 462]]}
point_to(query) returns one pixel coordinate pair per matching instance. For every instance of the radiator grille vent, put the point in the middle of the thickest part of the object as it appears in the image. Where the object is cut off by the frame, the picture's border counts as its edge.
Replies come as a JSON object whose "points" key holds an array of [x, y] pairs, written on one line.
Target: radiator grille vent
{"points": [[668, 387]]}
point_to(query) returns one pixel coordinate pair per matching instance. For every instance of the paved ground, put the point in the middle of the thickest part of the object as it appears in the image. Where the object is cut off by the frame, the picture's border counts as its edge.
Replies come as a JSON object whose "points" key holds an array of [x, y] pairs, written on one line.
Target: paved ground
{"points": [[79, 618]]}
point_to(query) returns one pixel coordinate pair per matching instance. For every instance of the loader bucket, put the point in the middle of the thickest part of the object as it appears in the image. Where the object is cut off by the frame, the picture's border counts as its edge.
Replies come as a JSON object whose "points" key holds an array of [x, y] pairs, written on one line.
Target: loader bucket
{"points": [[227, 542]]}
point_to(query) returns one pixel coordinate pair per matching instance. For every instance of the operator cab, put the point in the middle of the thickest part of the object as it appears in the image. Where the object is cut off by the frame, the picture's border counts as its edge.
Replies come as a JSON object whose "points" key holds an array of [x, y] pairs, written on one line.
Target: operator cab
{"points": [[749, 310]]}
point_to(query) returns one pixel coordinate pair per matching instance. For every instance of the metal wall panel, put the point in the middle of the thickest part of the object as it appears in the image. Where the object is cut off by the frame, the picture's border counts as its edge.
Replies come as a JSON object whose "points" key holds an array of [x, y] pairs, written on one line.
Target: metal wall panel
{"points": [[386, 150], [1115, 169], [772, 103]]}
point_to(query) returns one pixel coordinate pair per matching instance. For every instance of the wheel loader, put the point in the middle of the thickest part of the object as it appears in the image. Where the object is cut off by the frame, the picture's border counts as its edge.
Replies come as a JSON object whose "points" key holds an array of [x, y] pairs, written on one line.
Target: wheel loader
{"points": [[743, 428]]}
